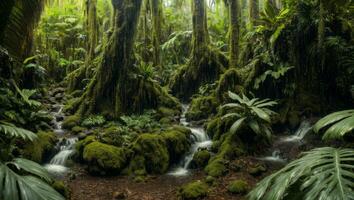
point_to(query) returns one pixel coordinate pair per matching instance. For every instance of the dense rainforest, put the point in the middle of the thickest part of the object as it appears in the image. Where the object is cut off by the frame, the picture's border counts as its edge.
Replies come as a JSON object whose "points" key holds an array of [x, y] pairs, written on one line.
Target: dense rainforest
{"points": [[176, 99]]}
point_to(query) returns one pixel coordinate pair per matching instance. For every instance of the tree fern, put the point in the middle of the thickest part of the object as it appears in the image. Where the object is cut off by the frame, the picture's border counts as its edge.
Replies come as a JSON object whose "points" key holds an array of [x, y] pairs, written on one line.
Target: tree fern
{"points": [[338, 124], [323, 173]]}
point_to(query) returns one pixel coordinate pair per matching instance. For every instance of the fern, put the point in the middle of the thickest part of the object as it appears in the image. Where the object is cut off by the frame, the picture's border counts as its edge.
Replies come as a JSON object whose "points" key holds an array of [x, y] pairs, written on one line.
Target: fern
{"points": [[323, 173], [15, 132]]}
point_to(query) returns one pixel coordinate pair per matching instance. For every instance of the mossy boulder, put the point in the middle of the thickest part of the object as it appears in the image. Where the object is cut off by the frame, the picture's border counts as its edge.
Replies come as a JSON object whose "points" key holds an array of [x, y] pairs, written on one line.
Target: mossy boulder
{"points": [[71, 121], [104, 159], [167, 112], [150, 153], [238, 187], [60, 187], [78, 129], [72, 105], [117, 136], [218, 127], [193, 190], [200, 159], [216, 167], [80, 146], [177, 141], [257, 170], [229, 81], [41, 148], [201, 108]]}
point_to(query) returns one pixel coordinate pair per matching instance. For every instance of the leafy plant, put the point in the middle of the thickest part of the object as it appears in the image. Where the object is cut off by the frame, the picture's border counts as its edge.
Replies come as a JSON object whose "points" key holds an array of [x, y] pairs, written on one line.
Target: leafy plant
{"points": [[141, 123], [338, 124], [322, 173], [254, 113], [21, 178], [93, 121]]}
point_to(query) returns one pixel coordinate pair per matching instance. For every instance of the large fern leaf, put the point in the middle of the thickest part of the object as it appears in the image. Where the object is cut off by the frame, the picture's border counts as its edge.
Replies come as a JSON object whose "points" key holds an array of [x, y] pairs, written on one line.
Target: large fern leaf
{"points": [[17, 187], [339, 124], [13, 131], [323, 173]]}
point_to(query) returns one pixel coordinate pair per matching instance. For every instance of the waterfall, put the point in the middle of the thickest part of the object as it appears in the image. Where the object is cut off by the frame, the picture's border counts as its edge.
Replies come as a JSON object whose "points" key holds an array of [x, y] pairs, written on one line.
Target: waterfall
{"points": [[200, 140], [300, 133]]}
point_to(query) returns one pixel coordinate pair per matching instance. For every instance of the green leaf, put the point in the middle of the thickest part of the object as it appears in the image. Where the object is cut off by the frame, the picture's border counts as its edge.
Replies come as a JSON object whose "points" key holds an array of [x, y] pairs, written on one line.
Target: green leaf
{"points": [[261, 114], [237, 125], [13, 131], [31, 167], [332, 118]]}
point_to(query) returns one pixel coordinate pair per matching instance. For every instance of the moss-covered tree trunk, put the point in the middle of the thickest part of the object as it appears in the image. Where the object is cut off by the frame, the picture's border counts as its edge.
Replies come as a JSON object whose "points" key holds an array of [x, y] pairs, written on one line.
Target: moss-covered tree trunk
{"points": [[116, 87], [253, 9], [235, 15], [205, 64], [5, 12], [92, 28], [156, 17]]}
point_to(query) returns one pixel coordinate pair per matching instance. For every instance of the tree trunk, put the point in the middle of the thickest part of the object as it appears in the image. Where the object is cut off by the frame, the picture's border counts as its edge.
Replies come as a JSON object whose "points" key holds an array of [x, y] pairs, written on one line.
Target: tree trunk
{"points": [[156, 17], [4, 16], [116, 87], [92, 28], [235, 15], [205, 64], [253, 12]]}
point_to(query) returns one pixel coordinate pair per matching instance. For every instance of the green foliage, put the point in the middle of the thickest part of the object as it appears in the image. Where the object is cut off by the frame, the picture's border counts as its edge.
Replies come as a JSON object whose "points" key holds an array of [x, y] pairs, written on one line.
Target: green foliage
{"points": [[94, 121], [253, 113], [322, 173], [12, 131], [275, 74], [338, 125], [40, 149], [141, 123], [32, 185]]}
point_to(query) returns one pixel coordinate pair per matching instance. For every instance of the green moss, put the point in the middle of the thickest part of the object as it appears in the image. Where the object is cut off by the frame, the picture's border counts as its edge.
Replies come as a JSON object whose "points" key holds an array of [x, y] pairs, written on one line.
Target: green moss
{"points": [[238, 187], [177, 141], [104, 159], [71, 121], [40, 149], [167, 112], [60, 187], [200, 159], [80, 145], [257, 170], [216, 167], [117, 136], [77, 129], [201, 107], [194, 190], [229, 81], [218, 127], [210, 180], [215, 146], [72, 105], [150, 153]]}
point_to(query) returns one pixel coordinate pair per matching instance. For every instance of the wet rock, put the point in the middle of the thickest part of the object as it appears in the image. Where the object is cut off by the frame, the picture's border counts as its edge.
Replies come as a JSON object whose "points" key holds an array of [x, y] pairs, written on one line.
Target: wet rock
{"points": [[238, 187]]}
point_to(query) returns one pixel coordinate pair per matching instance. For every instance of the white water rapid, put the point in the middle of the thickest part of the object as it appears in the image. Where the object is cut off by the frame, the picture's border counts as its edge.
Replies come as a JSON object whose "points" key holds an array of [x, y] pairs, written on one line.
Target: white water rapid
{"points": [[200, 140]]}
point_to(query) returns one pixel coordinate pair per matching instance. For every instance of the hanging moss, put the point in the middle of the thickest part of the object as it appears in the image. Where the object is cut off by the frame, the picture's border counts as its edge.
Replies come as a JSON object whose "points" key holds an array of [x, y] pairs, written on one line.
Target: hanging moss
{"points": [[205, 64], [116, 88]]}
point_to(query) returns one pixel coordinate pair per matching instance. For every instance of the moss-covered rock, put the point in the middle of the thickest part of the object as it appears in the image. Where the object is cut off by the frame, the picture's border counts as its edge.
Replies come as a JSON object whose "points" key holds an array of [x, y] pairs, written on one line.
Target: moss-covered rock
{"points": [[238, 187], [217, 127], [60, 187], [80, 146], [71, 121], [201, 108], [167, 112], [210, 180], [229, 81], [150, 153], [200, 159], [78, 129], [194, 190], [104, 159], [117, 136], [177, 141], [216, 167], [42, 148], [257, 170]]}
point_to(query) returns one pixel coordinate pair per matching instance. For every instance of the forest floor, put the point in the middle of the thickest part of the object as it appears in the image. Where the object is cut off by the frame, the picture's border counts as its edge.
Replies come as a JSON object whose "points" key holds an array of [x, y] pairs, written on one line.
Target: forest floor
{"points": [[159, 187]]}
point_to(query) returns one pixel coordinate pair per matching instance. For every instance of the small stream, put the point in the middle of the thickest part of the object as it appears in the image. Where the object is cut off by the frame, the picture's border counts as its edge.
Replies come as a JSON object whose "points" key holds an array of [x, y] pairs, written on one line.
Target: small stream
{"points": [[284, 144], [66, 146], [200, 140]]}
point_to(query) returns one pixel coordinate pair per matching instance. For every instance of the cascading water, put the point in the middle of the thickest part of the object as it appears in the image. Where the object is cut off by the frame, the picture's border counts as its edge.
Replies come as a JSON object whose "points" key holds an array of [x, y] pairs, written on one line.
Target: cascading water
{"points": [[284, 143], [66, 146], [200, 140]]}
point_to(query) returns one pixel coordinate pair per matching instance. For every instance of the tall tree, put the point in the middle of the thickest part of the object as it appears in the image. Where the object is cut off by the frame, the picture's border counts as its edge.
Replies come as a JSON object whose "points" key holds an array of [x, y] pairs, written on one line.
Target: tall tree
{"points": [[205, 64], [235, 19], [116, 88], [253, 6], [156, 17], [91, 27]]}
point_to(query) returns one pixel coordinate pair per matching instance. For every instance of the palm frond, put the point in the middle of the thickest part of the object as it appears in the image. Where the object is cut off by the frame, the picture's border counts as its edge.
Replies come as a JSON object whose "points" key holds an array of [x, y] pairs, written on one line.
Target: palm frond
{"points": [[17, 187], [322, 173], [339, 124], [13, 131]]}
